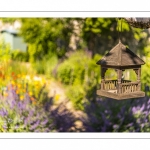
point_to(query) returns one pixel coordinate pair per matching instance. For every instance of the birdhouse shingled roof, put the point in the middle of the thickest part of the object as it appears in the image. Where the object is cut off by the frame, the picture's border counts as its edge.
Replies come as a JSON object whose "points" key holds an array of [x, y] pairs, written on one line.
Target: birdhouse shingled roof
{"points": [[120, 55]]}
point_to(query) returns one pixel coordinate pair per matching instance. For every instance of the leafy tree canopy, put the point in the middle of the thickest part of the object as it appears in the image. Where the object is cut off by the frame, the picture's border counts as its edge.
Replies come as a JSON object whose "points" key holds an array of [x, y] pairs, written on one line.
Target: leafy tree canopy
{"points": [[47, 35]]}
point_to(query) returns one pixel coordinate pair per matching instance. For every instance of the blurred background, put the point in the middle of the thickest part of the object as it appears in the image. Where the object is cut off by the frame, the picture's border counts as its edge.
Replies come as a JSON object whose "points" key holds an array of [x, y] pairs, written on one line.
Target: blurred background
{"points": [[49, 76]]}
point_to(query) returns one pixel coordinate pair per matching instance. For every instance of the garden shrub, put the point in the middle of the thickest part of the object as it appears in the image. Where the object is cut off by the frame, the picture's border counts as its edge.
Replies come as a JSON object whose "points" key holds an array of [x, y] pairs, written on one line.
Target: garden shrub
{"points": [[145, 78], [46, 66], [72, 69], [18, 55], [77, 68], [77, 94], [5, 51], [81, 75]]}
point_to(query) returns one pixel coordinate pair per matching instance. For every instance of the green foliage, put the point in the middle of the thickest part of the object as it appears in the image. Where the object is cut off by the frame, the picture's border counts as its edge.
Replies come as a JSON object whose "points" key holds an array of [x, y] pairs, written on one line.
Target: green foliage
{"points": [[46, 65], [5, 52], [97, 32], [46, 35], [77, 94], [145, 77], [81, 75], [18, 55], [110, 74], [101, 34], [9, 20], [77, 68]]}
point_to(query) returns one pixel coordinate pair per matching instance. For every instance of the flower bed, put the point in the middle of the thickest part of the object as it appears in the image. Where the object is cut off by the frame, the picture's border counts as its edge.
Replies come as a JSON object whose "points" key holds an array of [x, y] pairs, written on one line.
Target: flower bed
{"points": [[22, 115]]}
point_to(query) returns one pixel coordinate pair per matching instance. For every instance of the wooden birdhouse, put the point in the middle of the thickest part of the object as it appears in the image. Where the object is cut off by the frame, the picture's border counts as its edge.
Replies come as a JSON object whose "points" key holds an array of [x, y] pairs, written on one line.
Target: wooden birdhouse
{"points": [[120, 58]]}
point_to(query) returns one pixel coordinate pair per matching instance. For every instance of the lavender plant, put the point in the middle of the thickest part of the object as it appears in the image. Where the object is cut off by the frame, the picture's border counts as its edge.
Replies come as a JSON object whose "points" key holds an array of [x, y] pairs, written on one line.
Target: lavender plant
{"points": [[22, 116], [107, 115]]}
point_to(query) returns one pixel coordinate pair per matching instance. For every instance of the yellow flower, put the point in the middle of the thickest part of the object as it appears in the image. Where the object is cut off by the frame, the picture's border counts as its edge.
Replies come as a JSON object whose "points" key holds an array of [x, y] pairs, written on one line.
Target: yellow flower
{"points": [[24, 90], [21, 97], [2, 129], [5, 94], [30, 93], [23, 75], [19, 85], [12, 82], [43, 81], [57, 96]]}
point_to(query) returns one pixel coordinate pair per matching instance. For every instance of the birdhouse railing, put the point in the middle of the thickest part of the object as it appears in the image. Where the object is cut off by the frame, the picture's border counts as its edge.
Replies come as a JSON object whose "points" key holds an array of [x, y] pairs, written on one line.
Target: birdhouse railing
{"points": [[126, 86], [130, 87], [112, 84]]}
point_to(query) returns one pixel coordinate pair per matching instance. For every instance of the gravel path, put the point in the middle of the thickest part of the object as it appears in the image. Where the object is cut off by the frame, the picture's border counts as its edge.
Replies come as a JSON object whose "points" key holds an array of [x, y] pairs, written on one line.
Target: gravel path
{"points": [[58, 93]]}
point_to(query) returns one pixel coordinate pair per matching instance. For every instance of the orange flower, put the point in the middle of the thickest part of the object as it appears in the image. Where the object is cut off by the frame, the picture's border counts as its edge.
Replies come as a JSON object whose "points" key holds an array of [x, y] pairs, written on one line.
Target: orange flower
{"points": [[18, 75], [14, 77], [34, 102], [17, 92], [32, 98], [12, 73], [24, 90]]}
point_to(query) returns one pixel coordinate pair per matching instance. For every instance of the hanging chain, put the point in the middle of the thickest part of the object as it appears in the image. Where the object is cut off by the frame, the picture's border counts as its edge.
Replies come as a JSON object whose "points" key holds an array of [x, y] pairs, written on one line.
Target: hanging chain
{"points": [[119, 32]]}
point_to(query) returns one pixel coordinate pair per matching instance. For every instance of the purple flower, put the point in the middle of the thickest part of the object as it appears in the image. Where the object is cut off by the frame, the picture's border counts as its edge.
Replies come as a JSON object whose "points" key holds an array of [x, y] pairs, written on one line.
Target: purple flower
{"points": [[16, 127], [46, 130], [115, 126], [44, 122], [37, 130], [12, 95], [134, 110], [119, 115], [142, 108], [5, 127], [139, 121], [35, 125], [26, 121], [148, 101], [142, 125], [31, 113], [130, 124], [12, 104], [146, 113], [3, 112]]}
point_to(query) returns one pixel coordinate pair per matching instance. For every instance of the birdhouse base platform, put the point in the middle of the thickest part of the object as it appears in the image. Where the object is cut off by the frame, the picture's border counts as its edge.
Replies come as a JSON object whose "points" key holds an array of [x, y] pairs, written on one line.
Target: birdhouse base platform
{"points": [[114, 95]]}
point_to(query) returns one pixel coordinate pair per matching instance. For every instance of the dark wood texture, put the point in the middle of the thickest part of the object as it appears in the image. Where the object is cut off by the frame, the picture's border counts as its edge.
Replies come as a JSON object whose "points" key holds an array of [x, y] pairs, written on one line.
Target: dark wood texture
{"points": [[112, 95], [120, 55], [120, 58]]}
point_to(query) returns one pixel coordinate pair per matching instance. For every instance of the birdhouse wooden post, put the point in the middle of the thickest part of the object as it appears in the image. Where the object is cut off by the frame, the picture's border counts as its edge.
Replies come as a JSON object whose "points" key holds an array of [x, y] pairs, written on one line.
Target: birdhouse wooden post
{"points": [[120, 58]]}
